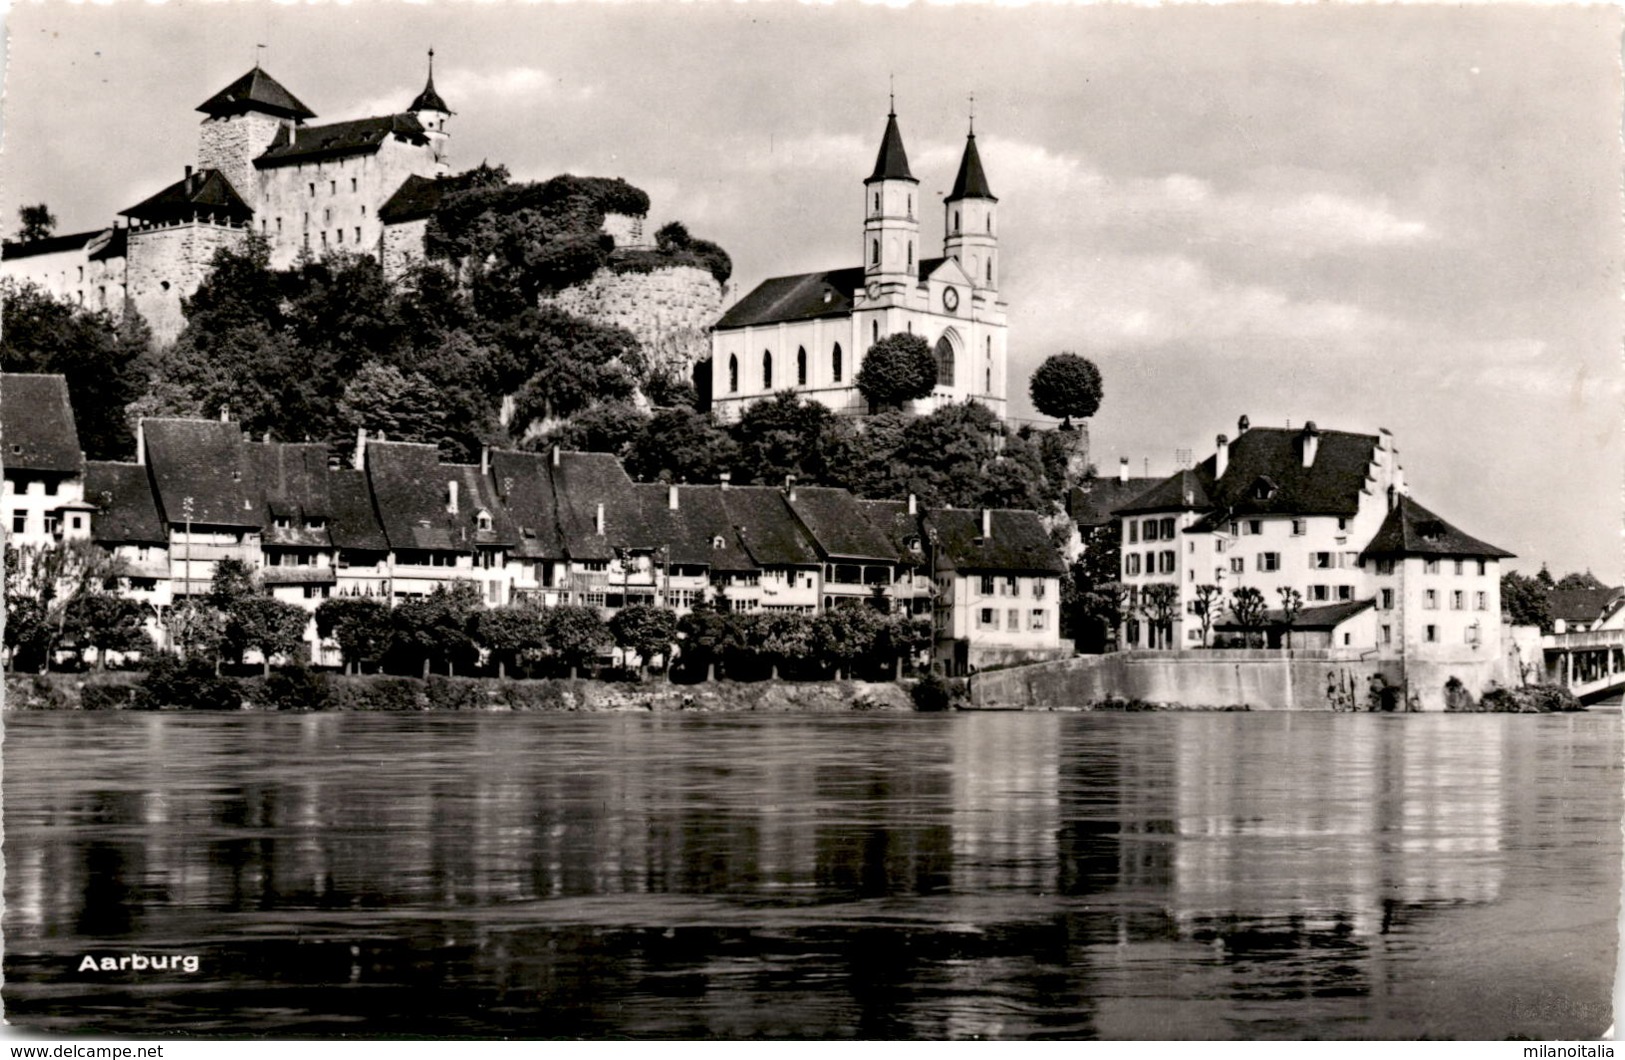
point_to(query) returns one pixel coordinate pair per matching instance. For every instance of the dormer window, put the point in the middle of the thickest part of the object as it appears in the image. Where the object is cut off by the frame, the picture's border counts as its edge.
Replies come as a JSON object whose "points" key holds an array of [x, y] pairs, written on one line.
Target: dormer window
{"points": [[1263, 489], [483, 520], [718, 543], [315, 523], [283, 523]]}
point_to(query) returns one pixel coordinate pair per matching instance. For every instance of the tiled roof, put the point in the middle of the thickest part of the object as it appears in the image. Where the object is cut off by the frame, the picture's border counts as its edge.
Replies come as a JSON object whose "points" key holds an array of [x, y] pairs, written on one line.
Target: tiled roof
{"points": [[1331, 486], [294, 477], [313, 143], [769, 532], [206, 191], [206, 462], [971, 183], [355, 524], [1094, 501], [13, 249], [1411, 530], [838, 525], [255, 90], [412, 492], [583, 481], [524, 483], [804, 297], [1019, 542], [1582, 605], [1182, 491], [1324, 617], [110, 243], [416, 198], [36, 424], [891, 163], [690, 531], [900, 529], [126, 510]]}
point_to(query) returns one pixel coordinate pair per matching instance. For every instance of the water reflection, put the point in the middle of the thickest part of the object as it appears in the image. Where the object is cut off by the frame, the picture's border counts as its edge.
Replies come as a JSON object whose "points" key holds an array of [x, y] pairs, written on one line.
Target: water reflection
{"points": [[877, 876]]}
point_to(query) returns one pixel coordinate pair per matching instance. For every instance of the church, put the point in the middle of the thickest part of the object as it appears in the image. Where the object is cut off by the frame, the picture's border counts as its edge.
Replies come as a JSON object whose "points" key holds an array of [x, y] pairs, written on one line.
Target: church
{"points": [[808, 333], [364, 186]]}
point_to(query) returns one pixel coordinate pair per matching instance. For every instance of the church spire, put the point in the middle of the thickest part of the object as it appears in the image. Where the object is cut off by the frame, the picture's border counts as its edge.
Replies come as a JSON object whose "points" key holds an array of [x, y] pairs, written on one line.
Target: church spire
{"points": [[429, 99], [892, 161], [971, 183]]}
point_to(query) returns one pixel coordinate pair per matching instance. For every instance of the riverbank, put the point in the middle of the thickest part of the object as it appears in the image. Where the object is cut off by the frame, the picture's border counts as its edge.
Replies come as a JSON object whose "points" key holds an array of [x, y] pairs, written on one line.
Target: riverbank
{"points": [[383, 694]]}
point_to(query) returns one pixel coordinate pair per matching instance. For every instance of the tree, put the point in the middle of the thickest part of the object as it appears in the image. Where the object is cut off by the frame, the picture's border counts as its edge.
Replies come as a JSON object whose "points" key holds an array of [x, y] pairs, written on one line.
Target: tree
{"points": [[1159, 602], [360, 624], [898, 368], [706, 632], [1291, 607], [266, 625], [611, 427], [514, 634], [1089, 599], [785, 639], [1525, 602], [103, 622], [1247, 606], [402, 407], [680, 445], [577, 635], [649, 631], [1208, 600], [43, 585], [1066, 385], [38, 222], [1576, 580], [786, 436], [847, 637], [1544, 577], [438, 627]]}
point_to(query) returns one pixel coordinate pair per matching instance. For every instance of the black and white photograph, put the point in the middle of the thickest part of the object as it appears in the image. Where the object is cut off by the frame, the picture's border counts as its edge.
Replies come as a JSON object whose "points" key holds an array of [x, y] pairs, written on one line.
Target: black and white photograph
{"points": [[805, 521]]}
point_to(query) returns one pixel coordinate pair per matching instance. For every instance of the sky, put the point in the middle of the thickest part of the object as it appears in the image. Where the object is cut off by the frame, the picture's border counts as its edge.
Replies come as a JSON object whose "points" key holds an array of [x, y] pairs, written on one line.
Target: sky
{"points": [[1397, 217]]}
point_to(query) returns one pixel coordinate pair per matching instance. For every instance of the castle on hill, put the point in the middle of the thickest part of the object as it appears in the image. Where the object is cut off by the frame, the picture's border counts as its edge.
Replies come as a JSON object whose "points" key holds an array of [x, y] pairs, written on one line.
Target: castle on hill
{"points": [[808, 333], [264, 166]]}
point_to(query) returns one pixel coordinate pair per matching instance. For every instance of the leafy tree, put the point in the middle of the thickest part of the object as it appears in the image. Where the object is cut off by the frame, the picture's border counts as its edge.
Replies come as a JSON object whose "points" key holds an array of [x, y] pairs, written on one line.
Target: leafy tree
{"points": [[44, 583], [266, 625], [404, 407], [902, 638], [1247, 606], [649, 631], [1525, 601], [577, 635], [846, 638], [38, 222], [896, 369], [1575, 580], [102, 360], [438, 627], [681, 445], [104, 622], [611, 427], [785, 436], [1159, 602], [1208, 600], [1544, 577], [706, 633], [361, 625], [515, 634], [233, 581], [559, 364], [1066, 385], [1291, 607]]}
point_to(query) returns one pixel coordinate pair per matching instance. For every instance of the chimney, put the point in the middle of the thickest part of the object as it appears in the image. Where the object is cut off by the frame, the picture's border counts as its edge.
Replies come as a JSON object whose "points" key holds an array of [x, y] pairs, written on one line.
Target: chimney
{"points": [[360, 448], [725, 478], [790, 486], [987, 523], [1221, 456], [188, 177], [225, 413], [555, 456], [266, 437], [141, 440], [598, 520], [485, 460], [913, 505], [1242, 425], [1311, 443], [451, 497], [1122, 469], [671, 496]]}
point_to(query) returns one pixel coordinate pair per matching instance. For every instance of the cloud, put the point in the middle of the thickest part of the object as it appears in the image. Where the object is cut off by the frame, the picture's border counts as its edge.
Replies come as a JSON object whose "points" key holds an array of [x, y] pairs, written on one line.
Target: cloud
{"points": [[464, 88]]}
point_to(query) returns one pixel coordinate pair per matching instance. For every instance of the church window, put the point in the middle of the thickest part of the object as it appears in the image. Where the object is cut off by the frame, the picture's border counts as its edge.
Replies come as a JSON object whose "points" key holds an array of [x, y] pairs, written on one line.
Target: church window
{"points": [[956, 220], [733, 374], [767, 369], [989, 388], [989, 224], [874, 252], [874, 328], [835, 362], [324, 239], [989, 270], [910, 326], [989, 340], [877, 202], [911, 206], [801, 366], [945, 362], [911, 253], [307, 218]]}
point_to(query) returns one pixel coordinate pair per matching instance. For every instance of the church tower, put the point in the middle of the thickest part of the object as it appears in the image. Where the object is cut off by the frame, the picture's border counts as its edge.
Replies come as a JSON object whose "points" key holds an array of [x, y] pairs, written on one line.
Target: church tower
{"points": [[891, 228], [970, 234], [431, 112]]}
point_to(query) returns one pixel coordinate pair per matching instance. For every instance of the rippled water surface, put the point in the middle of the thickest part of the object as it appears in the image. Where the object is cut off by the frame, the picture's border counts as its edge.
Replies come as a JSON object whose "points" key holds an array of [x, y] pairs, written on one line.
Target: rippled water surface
{"points": [[1002, 875]]}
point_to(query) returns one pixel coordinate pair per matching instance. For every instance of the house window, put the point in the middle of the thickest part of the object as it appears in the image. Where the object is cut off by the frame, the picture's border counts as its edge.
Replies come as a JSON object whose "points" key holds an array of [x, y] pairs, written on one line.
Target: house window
{"points": [[1481, 601], [987, 585], [1318, 593], [327, 214], [1191, 546], [1345, 592], [1458, 600], [1131, 630], [1151, 530], [358, 233], [1038, 588], [1483, 567], [1037, 616], [353, 185], [1321, 560], [1133, 532], [332, 187], [1012, 587], [1166, 562], [1385, 566], [1430, 599], [1168, 529], [1430, 566], [78, 524], [313, 187], [1461, 567], [801, 366], [19, 522], [1237, 565], [1269, 561], [1131, 563], [483, 520], [767, 369], [1012, 620], [1298, 528], [341, 235], [835, 363], [1342, 524], [1431, 634], [987, 618]]}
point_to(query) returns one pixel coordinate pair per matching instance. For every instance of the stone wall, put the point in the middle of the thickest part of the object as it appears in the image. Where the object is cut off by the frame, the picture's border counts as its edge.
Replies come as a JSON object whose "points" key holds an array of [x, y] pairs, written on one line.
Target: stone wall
{"points": [[167, 264], [401, 246], [231, 145], [670, 311], [625, 229]]}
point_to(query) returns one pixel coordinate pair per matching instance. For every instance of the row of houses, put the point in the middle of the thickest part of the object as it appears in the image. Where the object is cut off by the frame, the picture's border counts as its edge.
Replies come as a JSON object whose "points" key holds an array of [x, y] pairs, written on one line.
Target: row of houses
{"points": [[395, 521]]}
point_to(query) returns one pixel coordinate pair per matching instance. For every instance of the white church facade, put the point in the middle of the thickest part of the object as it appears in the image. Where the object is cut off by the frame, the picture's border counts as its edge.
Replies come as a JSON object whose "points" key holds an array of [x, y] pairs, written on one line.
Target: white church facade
{"points": [[808, 333]]}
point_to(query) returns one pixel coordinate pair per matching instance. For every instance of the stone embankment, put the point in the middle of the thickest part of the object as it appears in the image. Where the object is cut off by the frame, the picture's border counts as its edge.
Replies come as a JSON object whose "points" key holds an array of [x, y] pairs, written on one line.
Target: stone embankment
{"points": [[123, 691]]}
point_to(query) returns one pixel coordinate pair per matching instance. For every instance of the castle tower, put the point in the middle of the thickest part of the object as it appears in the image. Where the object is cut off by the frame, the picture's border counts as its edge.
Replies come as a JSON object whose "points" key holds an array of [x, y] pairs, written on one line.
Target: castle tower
{"points": [[970, 234], [431, 112], [891, 228], [243, 120]]}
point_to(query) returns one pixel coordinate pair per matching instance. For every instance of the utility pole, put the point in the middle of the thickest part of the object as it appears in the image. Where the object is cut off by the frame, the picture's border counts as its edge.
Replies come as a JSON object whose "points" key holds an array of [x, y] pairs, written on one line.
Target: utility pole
{"points": [[186, 577]]}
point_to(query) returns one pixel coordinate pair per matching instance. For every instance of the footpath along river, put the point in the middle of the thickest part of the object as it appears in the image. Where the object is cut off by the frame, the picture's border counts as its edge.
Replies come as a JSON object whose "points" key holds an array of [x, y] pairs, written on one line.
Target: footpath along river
{"points": [[995, 875]]}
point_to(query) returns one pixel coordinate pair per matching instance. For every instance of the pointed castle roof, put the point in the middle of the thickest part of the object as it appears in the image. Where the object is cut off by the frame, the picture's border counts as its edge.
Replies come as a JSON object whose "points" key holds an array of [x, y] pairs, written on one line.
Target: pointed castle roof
{"points": [[255, 91], [429, 99], [971, 183], [892, 161]]}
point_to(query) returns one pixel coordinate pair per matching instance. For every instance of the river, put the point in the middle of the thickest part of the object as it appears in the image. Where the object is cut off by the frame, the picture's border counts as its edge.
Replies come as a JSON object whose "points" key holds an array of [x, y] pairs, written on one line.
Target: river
{"points": [[865, 875]]}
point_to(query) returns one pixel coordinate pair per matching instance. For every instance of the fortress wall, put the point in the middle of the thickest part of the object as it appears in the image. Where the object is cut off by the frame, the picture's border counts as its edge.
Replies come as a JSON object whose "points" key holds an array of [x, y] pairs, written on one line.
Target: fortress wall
{"points": [[670, 311], [168, 264]]}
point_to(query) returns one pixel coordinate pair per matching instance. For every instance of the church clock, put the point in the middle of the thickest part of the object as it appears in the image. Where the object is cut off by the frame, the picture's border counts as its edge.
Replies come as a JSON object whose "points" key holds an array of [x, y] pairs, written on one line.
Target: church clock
{"points": [[950, 299]]}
